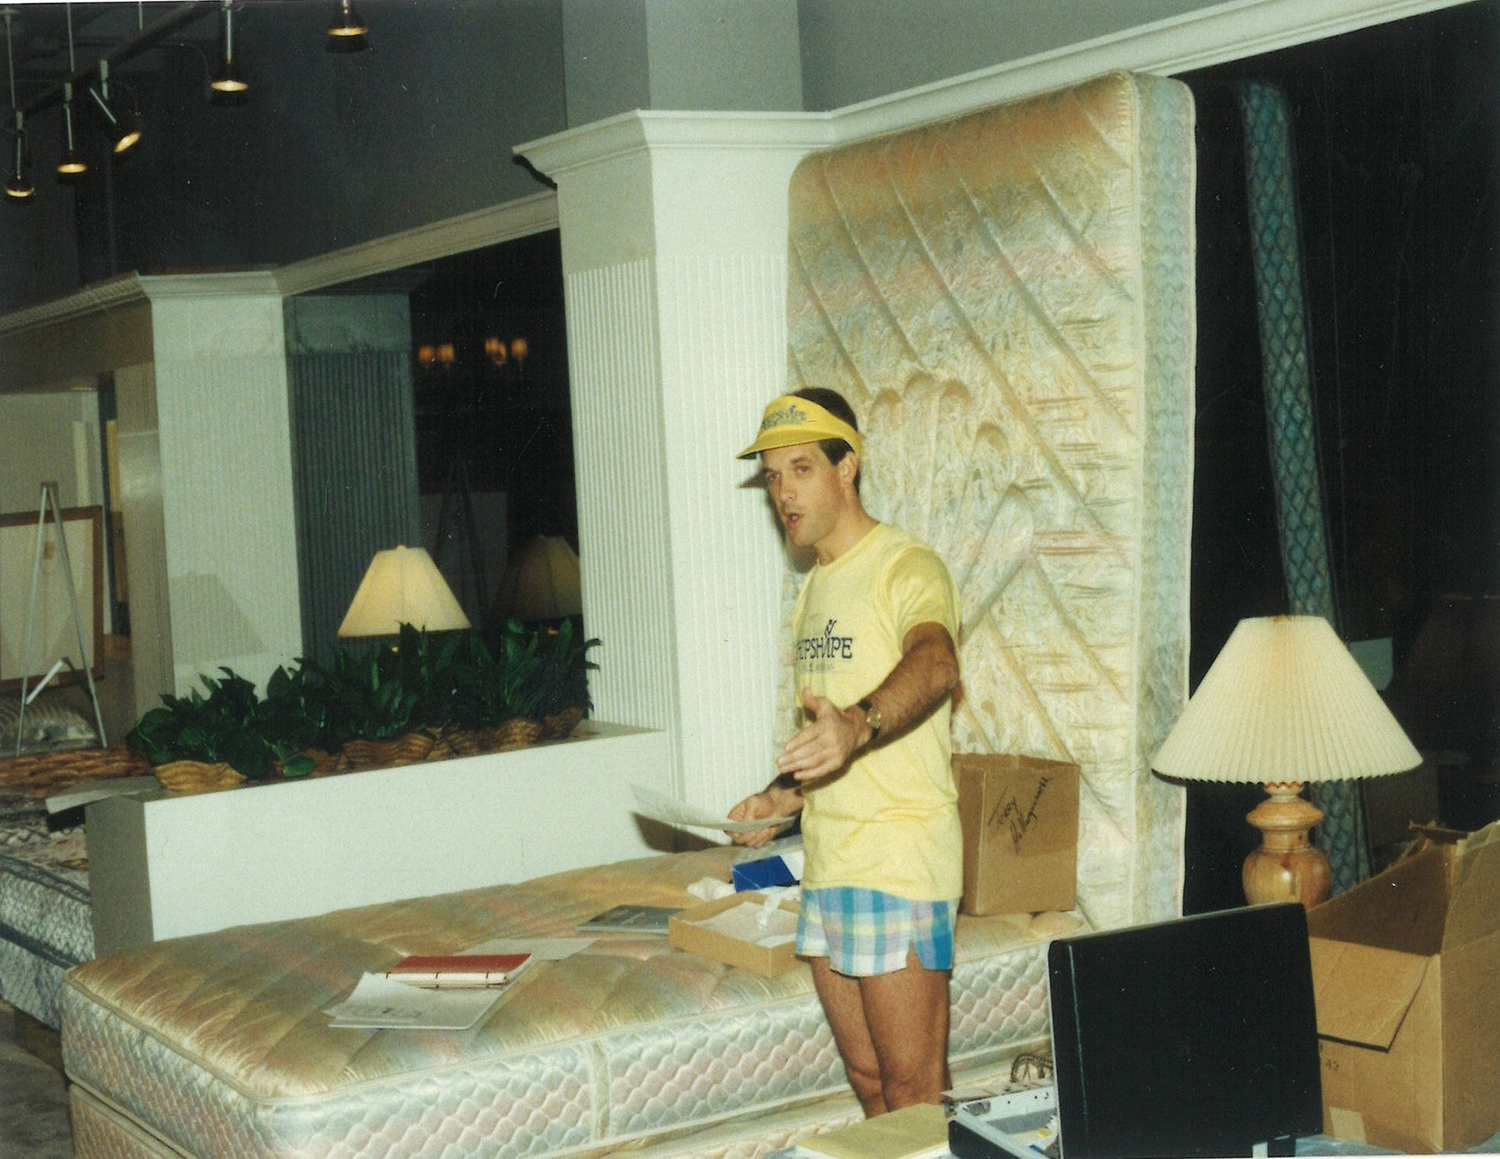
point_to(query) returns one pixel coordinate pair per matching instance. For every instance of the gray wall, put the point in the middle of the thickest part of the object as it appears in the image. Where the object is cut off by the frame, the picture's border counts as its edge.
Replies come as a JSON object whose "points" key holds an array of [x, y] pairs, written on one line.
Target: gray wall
{"points": [[334, 150]]}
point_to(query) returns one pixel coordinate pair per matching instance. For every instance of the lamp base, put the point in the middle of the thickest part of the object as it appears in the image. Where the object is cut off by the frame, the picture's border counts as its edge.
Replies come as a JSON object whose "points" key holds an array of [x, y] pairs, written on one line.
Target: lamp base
{"points": [[1286, 867]]}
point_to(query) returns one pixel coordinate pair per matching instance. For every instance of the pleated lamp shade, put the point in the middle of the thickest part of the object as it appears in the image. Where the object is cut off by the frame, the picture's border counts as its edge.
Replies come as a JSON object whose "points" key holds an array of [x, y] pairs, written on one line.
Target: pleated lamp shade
{"points": [[402, 586], [543, 582], [1285, 701]]}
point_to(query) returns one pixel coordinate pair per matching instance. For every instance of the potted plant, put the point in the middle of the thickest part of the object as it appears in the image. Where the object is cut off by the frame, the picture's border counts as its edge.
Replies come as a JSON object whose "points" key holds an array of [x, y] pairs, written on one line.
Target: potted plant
{"points": [[561, 679], [202, 741]]}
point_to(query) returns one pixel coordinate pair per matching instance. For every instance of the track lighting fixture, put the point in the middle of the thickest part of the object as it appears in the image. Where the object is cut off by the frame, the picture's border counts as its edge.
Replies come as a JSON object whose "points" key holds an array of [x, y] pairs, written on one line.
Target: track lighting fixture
{"points": [[228, 85], [123, 131], [347, 31], [71, 164], [17, 188]]}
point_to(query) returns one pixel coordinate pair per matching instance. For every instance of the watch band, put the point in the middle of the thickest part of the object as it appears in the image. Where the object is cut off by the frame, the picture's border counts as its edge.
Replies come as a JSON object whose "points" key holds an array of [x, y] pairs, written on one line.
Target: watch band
{"points": [[872, 718]]}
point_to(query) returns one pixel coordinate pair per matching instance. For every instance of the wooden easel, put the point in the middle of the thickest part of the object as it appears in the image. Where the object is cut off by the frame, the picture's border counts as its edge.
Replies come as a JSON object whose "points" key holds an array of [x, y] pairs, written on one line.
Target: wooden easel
{"points": [[49, 498]]}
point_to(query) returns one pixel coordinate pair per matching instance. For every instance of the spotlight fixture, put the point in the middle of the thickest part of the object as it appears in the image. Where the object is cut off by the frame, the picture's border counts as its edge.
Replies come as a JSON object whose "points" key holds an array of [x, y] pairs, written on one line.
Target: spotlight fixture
{"points": [[17, 188], [122, 130], [71, 164], [347, 31], [228, 85]]}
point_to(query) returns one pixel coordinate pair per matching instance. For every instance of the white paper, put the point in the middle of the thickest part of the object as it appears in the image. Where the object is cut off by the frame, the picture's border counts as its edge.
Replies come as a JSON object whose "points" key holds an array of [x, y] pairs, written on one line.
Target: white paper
{"points": [[670, 811], [540, 949], [379, 1002]]}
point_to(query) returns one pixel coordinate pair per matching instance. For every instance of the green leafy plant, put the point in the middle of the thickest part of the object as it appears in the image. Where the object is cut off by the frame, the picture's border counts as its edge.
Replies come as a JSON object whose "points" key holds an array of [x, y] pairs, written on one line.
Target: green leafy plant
{"points": [[562, 668], [226, 725]]}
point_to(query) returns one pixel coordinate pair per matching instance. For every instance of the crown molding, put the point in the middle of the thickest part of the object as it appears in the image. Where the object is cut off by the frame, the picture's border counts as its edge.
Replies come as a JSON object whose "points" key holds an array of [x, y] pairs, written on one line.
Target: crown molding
{"points": [[440, 239], [1208, 36]]}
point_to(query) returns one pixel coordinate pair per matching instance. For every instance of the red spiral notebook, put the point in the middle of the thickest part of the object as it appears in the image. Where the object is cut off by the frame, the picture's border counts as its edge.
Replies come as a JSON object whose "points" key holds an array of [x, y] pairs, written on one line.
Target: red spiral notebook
{"points": [[457, 970]]}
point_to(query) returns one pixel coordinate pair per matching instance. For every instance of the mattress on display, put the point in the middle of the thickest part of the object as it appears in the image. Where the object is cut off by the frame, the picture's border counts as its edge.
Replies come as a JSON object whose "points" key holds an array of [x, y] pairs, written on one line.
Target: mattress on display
{"points": [[219, 1044]]}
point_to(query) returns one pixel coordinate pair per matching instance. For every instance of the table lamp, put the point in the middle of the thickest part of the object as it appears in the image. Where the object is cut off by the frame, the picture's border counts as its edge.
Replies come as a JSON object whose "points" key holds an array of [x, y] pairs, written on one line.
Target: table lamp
{"points": [[402, 586], [543, 582], [1285, 704]]}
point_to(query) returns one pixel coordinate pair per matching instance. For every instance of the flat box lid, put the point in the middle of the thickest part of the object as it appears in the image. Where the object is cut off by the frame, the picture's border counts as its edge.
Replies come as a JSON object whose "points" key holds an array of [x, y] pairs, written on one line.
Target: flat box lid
{"points": [[1196, 1036]]}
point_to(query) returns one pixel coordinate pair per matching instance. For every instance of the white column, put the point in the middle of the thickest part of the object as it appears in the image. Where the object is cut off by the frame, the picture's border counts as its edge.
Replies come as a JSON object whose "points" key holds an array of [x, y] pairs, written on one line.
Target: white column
{"points": [[674, 240], [224, 435]]}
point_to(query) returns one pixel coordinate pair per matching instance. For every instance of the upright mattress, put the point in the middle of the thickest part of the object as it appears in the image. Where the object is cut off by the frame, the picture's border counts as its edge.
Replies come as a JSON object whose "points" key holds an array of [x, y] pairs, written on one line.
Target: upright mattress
{"points": [[1006, 299], [218, 1045]]}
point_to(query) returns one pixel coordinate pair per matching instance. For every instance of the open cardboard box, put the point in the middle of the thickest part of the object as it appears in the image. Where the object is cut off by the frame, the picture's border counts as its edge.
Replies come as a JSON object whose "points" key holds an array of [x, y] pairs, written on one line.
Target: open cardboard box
{"points": [[1019, 816], [725, 931], [1404, 974]]}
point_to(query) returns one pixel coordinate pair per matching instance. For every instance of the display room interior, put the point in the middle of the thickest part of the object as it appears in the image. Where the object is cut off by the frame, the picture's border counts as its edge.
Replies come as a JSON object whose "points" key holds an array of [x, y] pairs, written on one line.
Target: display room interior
{"points": [[1165, 324]]}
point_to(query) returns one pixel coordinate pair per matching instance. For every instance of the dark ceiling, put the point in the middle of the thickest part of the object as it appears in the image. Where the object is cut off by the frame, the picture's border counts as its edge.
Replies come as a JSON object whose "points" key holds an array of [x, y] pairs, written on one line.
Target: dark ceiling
{"points": [[131, 35]]}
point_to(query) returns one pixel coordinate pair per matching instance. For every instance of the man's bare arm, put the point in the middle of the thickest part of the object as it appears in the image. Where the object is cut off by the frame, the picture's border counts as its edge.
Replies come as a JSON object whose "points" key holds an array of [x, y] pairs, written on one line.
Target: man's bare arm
{"points": [[926, 672]]}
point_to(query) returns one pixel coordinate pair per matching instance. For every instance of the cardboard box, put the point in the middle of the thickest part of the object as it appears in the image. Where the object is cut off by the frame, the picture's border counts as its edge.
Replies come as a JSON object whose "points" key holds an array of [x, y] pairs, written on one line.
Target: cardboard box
{"points": [[1404, 969], [725, 931], [1020, 824]]}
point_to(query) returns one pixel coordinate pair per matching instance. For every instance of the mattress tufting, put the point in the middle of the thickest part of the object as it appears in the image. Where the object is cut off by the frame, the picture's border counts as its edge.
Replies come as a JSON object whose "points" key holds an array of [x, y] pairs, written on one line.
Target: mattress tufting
{"points": [[218, 1043]]}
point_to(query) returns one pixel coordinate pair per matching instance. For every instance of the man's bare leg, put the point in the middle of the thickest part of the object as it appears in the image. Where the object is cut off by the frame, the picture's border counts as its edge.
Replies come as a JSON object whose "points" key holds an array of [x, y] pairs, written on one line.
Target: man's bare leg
{"points": [[845, 1008], [891, 1031], [907, 1018]]}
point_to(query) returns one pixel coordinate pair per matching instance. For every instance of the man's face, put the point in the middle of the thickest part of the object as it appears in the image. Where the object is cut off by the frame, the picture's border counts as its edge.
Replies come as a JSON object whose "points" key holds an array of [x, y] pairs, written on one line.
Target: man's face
{"points": [[806, 490]]}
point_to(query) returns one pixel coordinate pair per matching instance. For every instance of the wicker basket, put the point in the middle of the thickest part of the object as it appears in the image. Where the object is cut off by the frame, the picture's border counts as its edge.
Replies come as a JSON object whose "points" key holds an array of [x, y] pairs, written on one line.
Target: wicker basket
{"points": [[196, 776], [410, 749], [37, 774], [561, 724], [515, 733]]}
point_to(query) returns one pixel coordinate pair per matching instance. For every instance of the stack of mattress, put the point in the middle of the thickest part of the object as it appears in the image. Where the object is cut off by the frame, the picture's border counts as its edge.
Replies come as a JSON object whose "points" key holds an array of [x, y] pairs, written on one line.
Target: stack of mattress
{"points": [[219, 1045], [45, 920], [44, 911]]}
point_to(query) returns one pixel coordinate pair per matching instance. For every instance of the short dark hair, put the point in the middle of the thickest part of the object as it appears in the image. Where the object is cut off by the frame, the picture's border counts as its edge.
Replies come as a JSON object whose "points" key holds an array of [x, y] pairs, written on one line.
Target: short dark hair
{"points": [[835, 404]]}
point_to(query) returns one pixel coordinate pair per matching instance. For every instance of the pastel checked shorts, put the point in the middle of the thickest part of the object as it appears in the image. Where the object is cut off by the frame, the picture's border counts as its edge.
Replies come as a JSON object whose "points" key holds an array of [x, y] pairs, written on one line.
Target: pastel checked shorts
{"points": [[866, 931]]}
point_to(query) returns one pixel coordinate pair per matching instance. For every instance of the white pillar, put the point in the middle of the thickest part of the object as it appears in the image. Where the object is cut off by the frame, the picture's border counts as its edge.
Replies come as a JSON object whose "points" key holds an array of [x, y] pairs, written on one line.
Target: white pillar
{"points": [[228, 525], [674, 242]]}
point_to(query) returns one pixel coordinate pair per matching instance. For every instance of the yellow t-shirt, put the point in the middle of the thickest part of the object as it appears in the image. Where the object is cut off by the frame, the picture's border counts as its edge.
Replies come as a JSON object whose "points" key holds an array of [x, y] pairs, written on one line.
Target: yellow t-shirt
{"points": [[889, 821]]}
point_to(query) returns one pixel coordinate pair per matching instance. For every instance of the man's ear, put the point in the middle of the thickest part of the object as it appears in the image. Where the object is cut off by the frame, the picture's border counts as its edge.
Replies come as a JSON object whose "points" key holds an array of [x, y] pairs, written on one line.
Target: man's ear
{"points": [[848, 469]]}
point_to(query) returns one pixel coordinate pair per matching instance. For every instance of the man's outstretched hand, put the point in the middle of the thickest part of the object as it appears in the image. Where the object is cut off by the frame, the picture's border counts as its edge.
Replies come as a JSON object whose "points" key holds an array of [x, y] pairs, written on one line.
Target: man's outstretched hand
{"points": [[773, 802], [824, 746]]}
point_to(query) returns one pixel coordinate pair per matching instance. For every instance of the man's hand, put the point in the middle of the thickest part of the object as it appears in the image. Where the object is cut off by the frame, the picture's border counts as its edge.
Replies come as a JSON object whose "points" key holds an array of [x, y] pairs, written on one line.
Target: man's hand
{"points": [[824, 746], [773, 802]]}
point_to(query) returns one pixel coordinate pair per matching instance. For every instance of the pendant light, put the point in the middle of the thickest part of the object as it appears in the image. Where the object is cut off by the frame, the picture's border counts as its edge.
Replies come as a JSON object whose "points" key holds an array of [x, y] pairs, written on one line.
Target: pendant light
{"points": [[71, 166], [17, 188], [347, 31], [123, 131], [229, 87]]}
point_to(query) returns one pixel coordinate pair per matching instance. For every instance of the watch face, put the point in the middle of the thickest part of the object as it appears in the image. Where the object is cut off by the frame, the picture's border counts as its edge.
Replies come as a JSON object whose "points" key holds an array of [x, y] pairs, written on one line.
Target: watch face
{"points": [[872, 718]]}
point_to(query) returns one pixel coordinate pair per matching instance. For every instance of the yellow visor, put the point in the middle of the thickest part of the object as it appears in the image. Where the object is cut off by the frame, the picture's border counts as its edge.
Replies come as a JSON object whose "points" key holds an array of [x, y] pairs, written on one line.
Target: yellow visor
{"points": [[790, 420]]}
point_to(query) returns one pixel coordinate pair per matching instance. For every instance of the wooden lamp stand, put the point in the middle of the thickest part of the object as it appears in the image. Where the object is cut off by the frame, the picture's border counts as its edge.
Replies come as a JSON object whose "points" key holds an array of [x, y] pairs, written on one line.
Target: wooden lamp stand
{"points": [[1286, 867]]}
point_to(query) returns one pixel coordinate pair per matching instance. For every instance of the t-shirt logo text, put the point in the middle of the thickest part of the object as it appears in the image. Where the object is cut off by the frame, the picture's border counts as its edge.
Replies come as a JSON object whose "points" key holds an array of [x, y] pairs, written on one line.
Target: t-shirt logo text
{"points": [[826, 646]]}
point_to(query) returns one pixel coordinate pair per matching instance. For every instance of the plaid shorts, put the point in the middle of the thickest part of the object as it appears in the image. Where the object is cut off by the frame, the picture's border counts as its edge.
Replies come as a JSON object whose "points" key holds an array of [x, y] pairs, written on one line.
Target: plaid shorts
{"points": [[865, 931]]}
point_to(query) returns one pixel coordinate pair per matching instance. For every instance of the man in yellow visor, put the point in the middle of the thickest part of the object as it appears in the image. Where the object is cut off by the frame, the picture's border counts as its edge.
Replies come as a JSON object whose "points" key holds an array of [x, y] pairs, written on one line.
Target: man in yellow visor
{"points": [[870, 769]]}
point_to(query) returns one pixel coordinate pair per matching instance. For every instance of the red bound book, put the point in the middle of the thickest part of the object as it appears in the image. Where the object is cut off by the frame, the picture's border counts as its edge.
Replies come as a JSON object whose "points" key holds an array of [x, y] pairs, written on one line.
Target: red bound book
{"points": [[457, 969]]}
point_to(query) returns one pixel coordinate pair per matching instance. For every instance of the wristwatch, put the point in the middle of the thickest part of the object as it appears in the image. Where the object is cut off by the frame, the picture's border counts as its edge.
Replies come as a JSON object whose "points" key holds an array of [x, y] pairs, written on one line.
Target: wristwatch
{"points": [[872, 718]]}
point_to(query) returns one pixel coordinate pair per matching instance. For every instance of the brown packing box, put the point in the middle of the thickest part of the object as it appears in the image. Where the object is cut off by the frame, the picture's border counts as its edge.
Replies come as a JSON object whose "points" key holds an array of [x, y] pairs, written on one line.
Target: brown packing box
{"points": [[1404, 968], [686, 931], [1020, 824]]}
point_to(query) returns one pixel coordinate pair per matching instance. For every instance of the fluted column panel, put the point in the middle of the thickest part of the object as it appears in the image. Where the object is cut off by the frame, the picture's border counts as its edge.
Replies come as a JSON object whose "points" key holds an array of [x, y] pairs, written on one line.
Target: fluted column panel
{"points": [[723, 325], [622, 493], [226, 485]]}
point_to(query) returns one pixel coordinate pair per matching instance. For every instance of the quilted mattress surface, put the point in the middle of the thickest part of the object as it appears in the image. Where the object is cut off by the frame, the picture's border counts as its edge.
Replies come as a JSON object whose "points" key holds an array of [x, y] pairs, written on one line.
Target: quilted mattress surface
{"points": [[45, 925], [218, 1044]]}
